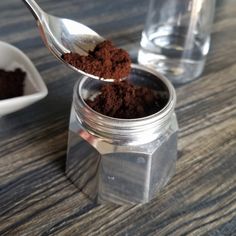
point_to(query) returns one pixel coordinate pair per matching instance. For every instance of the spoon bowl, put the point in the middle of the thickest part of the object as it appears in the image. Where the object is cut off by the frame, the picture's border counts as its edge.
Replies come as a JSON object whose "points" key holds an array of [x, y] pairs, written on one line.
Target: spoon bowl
{"points": [[63, 35]]}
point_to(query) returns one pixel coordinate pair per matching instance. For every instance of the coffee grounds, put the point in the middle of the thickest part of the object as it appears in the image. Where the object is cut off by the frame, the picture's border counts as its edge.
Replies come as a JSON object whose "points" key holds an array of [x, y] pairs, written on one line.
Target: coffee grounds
{"points": [[105, 61], [11, 83], [127, 101]]}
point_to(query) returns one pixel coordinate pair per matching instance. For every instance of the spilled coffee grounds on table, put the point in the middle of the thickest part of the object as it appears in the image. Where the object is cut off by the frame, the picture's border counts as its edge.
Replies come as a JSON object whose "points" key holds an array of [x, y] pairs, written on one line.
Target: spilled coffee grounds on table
{"points": [[11, 83], [127, 101], [105, 61]]}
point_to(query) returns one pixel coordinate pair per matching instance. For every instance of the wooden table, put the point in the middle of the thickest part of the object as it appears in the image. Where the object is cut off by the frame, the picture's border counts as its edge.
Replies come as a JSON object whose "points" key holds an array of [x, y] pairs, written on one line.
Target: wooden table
{"points": [[36, 198]]}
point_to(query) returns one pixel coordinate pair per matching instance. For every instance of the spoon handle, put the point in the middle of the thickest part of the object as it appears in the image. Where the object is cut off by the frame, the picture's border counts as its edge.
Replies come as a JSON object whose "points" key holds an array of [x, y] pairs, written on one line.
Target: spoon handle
{"points": [[34, 8]]}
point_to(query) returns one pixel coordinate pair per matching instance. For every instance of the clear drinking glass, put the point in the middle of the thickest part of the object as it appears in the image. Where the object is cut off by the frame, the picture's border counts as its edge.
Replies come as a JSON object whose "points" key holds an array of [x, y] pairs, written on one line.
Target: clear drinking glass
{"points": [[176, 38]]}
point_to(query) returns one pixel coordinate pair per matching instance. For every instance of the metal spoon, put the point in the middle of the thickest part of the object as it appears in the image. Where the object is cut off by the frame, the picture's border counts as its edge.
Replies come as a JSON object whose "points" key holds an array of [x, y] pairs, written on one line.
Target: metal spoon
{"points": [[63, 35]]}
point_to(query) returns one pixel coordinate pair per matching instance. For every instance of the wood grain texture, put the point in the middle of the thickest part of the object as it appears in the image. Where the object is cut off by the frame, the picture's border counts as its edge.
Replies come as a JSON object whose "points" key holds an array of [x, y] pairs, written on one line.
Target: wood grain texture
{"points": [[36, 198]]}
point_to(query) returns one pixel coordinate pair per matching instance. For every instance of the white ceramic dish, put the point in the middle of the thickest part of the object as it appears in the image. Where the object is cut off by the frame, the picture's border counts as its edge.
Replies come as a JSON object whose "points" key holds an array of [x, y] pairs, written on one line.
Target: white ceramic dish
{"points": [[34, 87]]}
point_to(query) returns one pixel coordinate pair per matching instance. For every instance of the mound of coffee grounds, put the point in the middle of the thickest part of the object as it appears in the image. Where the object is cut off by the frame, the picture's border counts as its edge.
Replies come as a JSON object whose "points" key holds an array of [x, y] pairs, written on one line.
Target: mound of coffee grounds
{"points": [[11, 83], [105, 61], [125, 100]]}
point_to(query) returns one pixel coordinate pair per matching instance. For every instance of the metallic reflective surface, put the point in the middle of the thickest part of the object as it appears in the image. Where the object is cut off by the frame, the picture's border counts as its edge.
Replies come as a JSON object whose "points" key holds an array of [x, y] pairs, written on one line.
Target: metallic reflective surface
{"points": [[124, 161], [63, 35]]}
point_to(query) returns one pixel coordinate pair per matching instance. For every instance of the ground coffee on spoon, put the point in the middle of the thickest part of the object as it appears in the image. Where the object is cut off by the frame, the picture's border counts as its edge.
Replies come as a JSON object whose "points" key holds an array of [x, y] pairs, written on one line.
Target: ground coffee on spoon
{"points": [[120, 99]]}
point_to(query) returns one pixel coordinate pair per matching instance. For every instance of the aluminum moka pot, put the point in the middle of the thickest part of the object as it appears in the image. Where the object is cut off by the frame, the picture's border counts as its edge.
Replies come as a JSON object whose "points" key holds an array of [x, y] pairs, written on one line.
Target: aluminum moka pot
{"points": [[124, 161]]}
